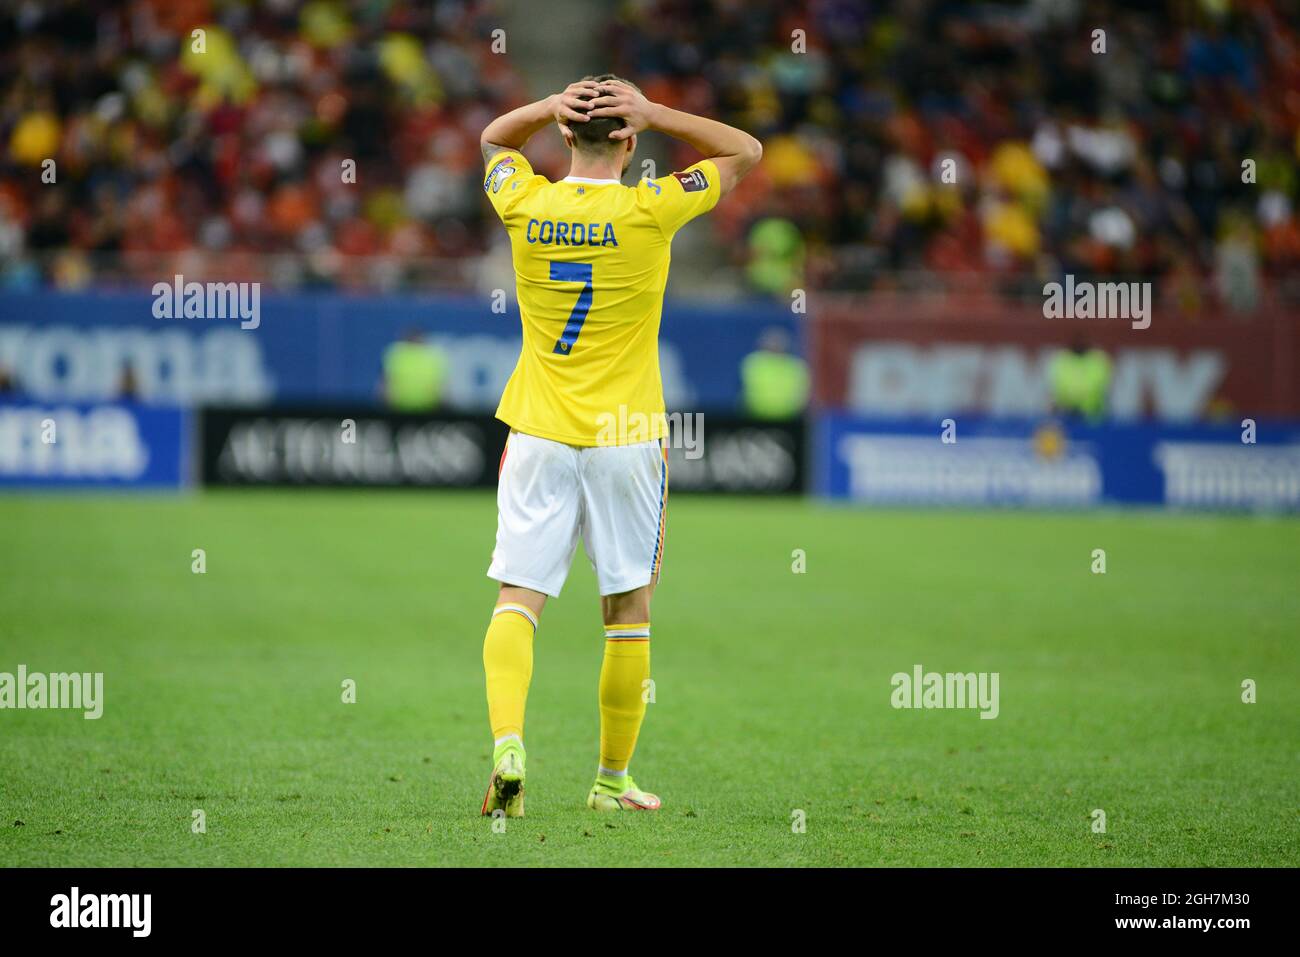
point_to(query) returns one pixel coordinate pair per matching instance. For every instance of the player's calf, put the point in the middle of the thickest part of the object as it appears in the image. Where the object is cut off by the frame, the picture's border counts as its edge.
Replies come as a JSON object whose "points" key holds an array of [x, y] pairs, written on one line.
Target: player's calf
{"points": [[508, 664], [624, 693]]}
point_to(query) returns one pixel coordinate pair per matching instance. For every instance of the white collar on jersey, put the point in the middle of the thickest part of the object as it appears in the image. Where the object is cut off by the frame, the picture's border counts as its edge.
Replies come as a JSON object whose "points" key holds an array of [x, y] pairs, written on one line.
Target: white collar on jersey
{"points": [[584, 179]]}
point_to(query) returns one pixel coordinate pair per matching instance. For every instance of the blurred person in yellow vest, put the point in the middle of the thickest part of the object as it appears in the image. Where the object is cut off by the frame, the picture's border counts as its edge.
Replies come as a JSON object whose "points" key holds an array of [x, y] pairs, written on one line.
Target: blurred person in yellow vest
{"points": [[415, 373], [1080, 380], [773, 381]]}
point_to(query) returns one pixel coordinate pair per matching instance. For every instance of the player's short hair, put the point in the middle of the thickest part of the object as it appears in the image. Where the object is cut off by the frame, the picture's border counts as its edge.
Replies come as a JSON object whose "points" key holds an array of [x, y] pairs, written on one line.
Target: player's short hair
{"points": [[593, 136]]}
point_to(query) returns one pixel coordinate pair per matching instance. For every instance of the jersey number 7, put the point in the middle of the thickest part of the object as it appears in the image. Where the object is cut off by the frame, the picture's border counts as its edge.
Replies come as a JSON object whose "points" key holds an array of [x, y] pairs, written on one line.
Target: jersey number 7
{"points": [[573, 272]]}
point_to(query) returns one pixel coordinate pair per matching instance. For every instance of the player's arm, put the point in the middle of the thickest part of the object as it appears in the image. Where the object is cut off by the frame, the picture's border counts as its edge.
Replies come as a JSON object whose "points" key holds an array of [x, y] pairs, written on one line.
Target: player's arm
{"points": [[733, 151], [512, 130]]}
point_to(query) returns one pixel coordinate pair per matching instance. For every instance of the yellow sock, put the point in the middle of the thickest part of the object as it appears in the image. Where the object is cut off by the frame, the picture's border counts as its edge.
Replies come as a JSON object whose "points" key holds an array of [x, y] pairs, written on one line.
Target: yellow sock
{"points": [[622, 701], [508, 662]]}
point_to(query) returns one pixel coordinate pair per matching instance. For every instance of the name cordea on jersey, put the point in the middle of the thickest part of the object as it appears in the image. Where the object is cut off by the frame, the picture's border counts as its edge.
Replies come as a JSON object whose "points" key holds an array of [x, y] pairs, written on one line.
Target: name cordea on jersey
{"points": [[103, 910], [546, 232]]}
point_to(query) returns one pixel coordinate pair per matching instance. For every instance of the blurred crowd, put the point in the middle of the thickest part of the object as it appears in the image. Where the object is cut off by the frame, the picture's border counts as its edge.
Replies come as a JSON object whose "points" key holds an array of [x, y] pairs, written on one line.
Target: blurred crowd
{"points": [[920, 142], [1003, 141], [343, 133]]}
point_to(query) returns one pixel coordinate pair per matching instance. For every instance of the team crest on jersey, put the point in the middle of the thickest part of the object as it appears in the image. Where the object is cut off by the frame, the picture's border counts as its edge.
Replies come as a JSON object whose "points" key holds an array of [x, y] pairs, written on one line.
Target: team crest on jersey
{"points": [[499, 173], [693, 180]]}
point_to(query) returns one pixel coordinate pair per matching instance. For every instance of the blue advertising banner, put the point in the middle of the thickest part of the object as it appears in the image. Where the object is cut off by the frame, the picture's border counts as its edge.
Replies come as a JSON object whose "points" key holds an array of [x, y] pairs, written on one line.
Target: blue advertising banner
{"points": [[1051, 463], [314, 348], [117, 445]]}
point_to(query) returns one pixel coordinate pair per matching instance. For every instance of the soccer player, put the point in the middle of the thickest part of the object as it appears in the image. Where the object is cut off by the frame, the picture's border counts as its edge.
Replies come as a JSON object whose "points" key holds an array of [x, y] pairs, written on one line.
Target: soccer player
{"points": [[585, 456]]}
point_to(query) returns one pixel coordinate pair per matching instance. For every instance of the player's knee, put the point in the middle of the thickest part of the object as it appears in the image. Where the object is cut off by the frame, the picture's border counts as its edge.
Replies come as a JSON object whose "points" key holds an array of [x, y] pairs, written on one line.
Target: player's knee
{"points": [[534, 601], [627, 607]]}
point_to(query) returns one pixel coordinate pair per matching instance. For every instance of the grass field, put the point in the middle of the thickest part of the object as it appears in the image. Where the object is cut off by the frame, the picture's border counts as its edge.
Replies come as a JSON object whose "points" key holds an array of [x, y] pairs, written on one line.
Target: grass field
{"points": [[1119, 691]]}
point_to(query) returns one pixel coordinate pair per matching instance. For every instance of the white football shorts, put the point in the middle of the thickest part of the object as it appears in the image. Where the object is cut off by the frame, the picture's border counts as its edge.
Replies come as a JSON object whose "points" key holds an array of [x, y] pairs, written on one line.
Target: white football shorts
{"points": [[549, 493]]}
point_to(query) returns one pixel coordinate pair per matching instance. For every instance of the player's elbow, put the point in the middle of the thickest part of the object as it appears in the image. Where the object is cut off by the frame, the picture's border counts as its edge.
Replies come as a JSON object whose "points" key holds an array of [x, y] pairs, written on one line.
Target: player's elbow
{"points": [[738, 162], [751, 154], [487, 143]]}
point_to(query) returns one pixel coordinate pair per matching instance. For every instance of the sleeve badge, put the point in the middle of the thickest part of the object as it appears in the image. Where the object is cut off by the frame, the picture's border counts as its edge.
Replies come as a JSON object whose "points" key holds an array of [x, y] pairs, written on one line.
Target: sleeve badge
{"points": [[499, 173], [693, 181]]}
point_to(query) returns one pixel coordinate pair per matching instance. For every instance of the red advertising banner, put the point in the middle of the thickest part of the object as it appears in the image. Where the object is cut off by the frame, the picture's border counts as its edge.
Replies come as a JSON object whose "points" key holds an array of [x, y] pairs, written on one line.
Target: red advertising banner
{"points": [[916, 354]]}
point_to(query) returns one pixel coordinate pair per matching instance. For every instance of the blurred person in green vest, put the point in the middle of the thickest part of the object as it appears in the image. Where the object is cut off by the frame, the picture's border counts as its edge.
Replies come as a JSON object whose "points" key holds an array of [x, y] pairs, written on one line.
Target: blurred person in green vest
{"points": [[415, 372], [774, 382], [1080, 380], [776, 256]]}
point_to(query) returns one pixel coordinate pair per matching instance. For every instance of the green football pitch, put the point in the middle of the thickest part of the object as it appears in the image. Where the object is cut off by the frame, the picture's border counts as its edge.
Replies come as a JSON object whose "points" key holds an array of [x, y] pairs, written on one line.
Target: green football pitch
{"points": [[771, 738]]}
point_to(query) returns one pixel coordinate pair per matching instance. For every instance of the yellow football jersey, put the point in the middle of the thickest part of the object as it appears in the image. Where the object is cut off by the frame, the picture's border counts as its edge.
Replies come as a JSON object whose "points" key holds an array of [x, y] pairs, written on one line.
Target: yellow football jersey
{"points": [[591, 263]]}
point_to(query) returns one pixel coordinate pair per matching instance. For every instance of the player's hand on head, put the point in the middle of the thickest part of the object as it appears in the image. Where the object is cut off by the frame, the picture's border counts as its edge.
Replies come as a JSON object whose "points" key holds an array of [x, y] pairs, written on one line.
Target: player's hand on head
{"points": [[570, 105], [625, 102]]}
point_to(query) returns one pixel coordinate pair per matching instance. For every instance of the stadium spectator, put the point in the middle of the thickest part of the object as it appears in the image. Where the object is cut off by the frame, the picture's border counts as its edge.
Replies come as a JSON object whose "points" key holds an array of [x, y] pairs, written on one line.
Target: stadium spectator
{"points": [[415, 373], [1236, 267], [128, 384], [774, 383], [776, 256], [1080, 379]]}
